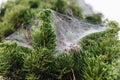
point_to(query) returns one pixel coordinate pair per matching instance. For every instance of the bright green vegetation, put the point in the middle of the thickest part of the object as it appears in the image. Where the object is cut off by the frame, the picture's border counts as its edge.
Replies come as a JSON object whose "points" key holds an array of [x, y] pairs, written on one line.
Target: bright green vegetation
{"points": [[96, 60], [104, 52], [13, 16], [45, 37]]}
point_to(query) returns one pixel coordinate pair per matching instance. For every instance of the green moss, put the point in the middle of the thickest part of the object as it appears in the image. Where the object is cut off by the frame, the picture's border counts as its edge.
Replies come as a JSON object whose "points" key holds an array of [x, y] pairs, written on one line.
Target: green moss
{"points": [[76, 11], [95, 18], [60, 6]]}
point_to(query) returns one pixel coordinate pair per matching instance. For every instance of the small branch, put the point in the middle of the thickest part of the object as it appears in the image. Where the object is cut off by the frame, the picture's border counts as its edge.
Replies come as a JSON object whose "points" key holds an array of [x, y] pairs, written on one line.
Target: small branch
{"points": [[73, 74]]}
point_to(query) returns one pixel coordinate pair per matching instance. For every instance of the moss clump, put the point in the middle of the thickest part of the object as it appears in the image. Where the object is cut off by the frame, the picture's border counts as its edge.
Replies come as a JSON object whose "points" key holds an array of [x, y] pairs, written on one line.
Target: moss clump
{"points": [[95, 18], [76, 11], [60, 6]]}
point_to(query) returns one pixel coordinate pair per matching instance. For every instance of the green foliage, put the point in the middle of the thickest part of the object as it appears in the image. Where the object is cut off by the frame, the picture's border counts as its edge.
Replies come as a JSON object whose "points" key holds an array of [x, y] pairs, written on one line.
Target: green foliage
{"points": [[45, 15], [11, 60], [95, 18], [13, 16], [90, 67], [34, 3], [5, 7], [113, 24], [37, 64], [17, 16], [5, 29], [76, 11], [45, 37], [63, 64], [60, 6], [105, 43], [2, 12], [104, 47], [97, 69], [15, 20]]}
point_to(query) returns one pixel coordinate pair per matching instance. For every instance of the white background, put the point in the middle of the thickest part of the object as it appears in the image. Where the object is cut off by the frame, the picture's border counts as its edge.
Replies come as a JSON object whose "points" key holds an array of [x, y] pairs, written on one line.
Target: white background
{"points": [[2, 1], [109, 8]]}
